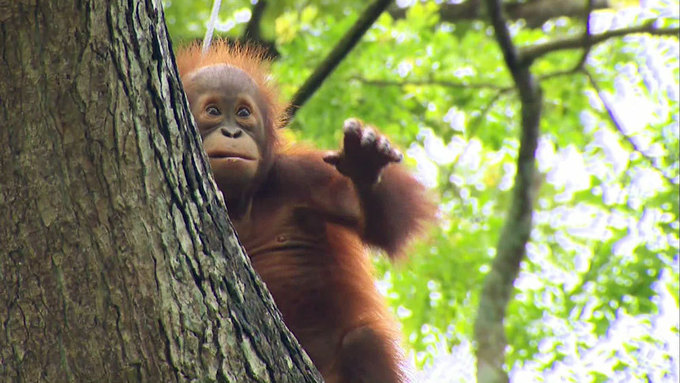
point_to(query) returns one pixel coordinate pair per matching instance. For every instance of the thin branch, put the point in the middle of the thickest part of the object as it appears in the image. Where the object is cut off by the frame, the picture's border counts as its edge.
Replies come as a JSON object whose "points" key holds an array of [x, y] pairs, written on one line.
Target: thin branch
{"points": [[531, 53], [615, 122], [253, 30], [586, 37], [503, 36], [431, 82], [474, 123], [586, 43], [338, 53]]}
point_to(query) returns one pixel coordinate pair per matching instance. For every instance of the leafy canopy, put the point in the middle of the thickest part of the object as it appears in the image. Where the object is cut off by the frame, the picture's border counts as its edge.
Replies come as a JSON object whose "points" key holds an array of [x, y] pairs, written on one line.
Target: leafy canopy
{"points": [[603, 255]]}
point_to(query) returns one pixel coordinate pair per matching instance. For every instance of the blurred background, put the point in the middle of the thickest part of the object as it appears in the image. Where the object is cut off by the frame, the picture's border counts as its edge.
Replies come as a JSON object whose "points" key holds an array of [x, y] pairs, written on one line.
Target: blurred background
{"points": [[597, 295]]}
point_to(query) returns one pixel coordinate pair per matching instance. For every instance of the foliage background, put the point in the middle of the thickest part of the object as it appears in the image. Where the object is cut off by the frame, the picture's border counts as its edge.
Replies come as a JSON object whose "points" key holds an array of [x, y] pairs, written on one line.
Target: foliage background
{"points": [[597, 296]]}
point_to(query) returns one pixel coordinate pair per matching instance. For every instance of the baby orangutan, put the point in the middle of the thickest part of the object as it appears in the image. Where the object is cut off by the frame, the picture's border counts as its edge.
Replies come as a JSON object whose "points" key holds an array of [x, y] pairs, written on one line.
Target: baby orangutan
{"points": [[305, 217]]}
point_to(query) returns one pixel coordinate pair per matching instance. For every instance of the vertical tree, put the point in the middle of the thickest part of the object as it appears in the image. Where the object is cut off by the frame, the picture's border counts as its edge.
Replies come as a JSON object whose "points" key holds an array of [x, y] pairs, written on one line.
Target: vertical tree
{"points": [[498, 284], [117, 261]]}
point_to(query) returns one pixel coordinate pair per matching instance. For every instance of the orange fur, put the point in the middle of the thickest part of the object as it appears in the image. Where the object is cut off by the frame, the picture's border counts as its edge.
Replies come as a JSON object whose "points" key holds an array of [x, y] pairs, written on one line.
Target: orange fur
{"points": [[251, 60], [248, 58], [306, 234]]}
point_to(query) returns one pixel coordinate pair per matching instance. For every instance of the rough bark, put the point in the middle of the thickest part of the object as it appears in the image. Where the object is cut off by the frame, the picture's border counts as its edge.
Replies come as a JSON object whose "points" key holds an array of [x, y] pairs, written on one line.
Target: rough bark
{"points": [[117, 261]]}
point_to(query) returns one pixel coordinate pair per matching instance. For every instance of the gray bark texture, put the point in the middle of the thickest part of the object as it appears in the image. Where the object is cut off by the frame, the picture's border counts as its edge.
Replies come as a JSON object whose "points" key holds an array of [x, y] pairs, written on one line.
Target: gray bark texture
{"points": [[117, 259]]}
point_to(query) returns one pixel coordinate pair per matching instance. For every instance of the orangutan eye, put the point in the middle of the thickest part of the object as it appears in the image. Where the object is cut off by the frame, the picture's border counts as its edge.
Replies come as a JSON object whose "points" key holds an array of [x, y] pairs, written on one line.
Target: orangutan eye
{"points": [[213, 111], [243, 112]]}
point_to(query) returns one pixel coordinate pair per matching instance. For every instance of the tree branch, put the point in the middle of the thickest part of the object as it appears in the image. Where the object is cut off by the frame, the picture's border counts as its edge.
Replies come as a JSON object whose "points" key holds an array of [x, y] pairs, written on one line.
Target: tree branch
{"points": [[498, 284], [535, 12], [586, 37], [430, 82], [474, 123], [586, 42], [334, 58], [252, 33], [252, 30], [531, 53], [615, 122]]}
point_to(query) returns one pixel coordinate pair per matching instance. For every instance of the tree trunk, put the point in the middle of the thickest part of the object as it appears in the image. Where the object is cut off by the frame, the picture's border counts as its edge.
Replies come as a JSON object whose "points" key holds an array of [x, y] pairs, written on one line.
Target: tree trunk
{"points": [[117, 261]]}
